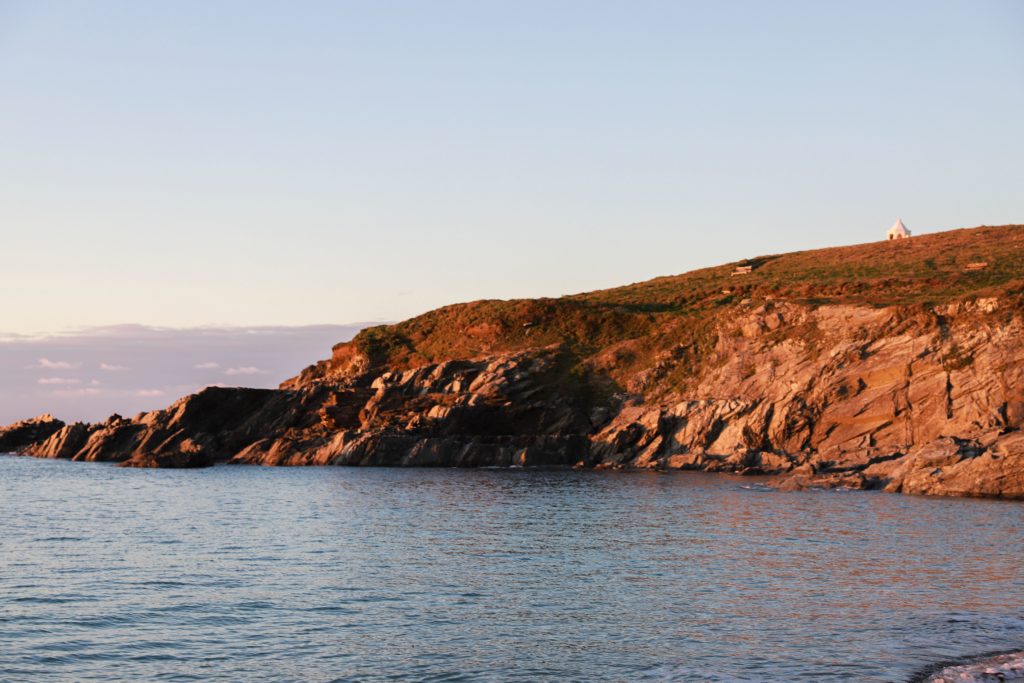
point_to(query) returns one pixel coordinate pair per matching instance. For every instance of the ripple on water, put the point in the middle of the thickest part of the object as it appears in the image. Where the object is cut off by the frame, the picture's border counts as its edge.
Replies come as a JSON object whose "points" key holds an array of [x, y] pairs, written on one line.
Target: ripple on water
{"points": [[372, 575]]}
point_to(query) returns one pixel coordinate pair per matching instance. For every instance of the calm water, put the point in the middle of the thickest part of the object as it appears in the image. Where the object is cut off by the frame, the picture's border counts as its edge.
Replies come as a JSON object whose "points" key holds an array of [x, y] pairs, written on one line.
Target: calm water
{"points": [[261, 574]]}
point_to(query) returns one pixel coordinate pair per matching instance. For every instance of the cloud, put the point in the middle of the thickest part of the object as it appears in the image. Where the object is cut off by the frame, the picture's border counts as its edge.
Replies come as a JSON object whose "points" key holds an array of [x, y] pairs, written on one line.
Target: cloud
{"points": [[87, 391], [113, 368], [149, 392], [47, 364], [158, 358], [57, 380], [247, 370]]}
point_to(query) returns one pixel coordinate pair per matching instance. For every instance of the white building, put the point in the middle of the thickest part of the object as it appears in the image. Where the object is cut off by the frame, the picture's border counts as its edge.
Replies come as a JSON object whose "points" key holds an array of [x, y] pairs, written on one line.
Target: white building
{"points": [[898, 231]]}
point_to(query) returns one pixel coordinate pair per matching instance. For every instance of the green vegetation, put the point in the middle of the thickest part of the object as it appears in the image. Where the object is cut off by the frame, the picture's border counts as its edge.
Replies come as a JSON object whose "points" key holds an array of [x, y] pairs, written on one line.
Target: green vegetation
{"points": [[628, 328]]}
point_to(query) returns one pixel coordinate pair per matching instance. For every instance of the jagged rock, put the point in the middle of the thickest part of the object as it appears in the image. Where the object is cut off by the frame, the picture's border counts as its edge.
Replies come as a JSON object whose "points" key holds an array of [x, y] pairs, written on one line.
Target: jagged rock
{"points": [[988, 467], [26, 432], [856, 393], [991, 669], [958, 467], [64, 443]]}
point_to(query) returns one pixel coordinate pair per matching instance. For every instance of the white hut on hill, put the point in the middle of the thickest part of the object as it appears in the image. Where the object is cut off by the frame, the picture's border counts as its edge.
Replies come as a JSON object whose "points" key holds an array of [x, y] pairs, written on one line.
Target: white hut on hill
{"points": [[898, 231]]}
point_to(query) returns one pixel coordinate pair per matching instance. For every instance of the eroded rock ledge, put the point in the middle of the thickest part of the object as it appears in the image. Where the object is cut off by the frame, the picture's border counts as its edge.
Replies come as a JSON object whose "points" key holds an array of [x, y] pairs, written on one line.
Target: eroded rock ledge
{"points": [[991, 669], [923, 401]]}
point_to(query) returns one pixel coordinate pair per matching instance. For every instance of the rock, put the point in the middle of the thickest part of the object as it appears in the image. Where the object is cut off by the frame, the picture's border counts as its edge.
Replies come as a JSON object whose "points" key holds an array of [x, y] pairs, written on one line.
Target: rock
{"points": [[967, 470], [180, 460], [64, 443], [818, 391], [27, 432], [1004, 667], [943, 467], [870, 409]]}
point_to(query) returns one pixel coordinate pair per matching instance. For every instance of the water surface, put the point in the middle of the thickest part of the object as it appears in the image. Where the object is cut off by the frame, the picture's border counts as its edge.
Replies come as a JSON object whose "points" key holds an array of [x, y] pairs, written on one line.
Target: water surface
{"points": [[324, 574]]}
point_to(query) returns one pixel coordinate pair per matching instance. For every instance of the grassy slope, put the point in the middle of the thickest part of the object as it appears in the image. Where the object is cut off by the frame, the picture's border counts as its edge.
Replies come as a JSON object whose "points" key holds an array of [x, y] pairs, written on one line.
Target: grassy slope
{"points": [[625, 329]]}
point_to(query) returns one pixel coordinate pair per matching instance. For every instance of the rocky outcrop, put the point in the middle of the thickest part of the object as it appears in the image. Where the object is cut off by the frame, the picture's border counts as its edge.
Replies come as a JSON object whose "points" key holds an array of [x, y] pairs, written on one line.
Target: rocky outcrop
{"points": [[504, 411], [922, 398], [193, 432], [863, 398], [990, 669], [991, 466], [26, 432], [912, 401], [510, 410]]}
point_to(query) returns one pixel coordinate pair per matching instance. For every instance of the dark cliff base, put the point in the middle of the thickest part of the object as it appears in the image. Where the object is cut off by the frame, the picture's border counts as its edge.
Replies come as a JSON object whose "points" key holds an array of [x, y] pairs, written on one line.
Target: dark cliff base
{"points": [[894, 366], [270, 430]]}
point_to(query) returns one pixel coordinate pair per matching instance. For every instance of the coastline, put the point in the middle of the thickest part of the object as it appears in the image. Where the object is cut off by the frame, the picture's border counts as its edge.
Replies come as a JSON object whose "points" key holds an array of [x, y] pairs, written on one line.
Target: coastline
{"points": [[987, 668], [860, 367], [880, 547], [786, 482]]}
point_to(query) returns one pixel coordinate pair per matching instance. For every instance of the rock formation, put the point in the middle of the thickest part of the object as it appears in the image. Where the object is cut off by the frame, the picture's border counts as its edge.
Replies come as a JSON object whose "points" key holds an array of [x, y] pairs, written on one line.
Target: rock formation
{"points": [[881, 366], [991, 669], [33, 430]]}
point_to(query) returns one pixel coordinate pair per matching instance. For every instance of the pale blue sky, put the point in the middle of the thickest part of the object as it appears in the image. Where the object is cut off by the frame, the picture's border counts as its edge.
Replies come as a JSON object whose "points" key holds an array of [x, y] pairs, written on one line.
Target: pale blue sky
{"points": [[246, 163]]}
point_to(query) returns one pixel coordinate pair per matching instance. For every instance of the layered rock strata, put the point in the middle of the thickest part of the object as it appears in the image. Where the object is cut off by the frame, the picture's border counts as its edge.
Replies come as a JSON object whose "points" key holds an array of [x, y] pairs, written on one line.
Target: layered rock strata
{"points": [[906, 400]]}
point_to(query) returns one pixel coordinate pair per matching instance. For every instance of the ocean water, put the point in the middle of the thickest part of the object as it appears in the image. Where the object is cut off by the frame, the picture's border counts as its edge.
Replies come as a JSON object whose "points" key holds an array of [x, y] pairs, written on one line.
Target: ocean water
{"points": [[337, 574]]}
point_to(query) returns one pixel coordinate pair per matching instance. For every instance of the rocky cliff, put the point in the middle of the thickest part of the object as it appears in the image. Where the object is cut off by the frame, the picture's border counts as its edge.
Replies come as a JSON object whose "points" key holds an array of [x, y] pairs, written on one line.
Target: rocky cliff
{"points": [[891, 365]]}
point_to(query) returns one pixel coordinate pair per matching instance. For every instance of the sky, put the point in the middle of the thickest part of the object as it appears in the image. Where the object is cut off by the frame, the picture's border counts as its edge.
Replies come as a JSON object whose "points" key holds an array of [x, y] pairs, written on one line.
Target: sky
{"points": [[89, 374], [240, 163]]}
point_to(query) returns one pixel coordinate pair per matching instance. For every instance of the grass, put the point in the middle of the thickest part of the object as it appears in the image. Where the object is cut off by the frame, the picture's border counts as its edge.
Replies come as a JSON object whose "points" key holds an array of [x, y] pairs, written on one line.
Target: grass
{"points": [[628, 328]]}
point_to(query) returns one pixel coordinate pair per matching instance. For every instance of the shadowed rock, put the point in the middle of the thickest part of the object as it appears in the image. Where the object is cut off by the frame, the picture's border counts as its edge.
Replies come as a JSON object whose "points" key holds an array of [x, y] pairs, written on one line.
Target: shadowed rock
{"points": [[921, 397], [22, 434]]}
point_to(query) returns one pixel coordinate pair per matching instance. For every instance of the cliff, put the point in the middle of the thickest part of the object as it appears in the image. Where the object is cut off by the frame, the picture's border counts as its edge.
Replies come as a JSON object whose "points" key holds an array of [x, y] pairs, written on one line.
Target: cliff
{"points": [[894, 365]]}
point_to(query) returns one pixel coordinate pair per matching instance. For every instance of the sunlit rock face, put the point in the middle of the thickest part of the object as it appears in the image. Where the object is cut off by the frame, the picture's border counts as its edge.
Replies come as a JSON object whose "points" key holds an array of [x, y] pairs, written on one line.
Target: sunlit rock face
{"points": [[908, 384]]}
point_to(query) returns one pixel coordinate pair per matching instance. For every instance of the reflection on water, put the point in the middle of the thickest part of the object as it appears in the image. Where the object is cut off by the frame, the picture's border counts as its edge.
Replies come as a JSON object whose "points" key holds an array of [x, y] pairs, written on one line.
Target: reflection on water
{"points": [[259, 574]]}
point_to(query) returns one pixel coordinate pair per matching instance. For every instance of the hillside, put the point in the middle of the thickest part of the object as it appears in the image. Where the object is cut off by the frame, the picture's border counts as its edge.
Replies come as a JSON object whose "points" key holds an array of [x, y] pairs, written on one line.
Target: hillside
{"points": [[622, 331], [892, 365]]}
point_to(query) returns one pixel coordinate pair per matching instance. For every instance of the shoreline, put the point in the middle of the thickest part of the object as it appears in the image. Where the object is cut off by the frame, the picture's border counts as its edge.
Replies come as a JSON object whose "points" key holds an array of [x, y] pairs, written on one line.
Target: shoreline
{"points": [[1001, 665], [767, 482], [948, 634], [858, 367]]}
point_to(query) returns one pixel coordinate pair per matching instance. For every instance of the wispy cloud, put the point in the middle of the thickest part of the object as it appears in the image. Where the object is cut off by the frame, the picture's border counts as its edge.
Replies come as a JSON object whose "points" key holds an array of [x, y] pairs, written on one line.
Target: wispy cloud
{"points": [[247, 370], [159, 359], [66, 393], [47, 364]]}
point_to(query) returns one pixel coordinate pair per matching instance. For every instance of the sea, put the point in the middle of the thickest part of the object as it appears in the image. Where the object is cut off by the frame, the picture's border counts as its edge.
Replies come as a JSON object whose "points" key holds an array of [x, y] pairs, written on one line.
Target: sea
{"points": [[246, 573]]}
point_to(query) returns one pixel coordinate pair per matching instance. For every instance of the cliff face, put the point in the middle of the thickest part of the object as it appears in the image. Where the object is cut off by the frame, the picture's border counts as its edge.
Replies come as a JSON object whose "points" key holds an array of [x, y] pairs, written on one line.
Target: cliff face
{"points": [[880, 366], [906, 400]]}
